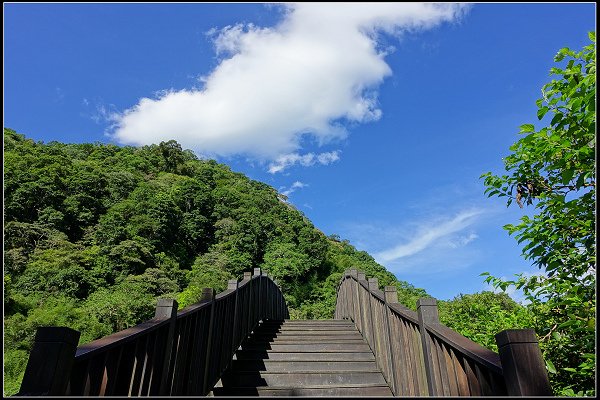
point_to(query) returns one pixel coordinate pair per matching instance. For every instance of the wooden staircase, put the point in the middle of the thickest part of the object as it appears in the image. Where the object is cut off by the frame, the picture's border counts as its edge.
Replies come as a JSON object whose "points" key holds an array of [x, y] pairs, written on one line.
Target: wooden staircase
{"points": [[303, 358]]}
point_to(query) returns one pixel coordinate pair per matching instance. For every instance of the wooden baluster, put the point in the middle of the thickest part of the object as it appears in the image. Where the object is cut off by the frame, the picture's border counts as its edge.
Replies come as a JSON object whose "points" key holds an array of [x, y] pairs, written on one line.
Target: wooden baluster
{"points": [[522, 363]]}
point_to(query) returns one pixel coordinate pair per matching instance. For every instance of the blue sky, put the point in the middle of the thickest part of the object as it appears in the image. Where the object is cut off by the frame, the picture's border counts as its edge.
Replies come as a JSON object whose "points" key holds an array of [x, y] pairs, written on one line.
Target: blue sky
{"points": [[375, 121]]}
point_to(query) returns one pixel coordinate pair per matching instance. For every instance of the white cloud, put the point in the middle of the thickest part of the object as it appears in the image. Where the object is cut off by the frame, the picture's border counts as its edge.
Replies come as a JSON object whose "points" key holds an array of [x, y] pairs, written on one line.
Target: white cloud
{"points": [[287, 160], [430, 234], [295, 186], [277, 86], [461, 241]]}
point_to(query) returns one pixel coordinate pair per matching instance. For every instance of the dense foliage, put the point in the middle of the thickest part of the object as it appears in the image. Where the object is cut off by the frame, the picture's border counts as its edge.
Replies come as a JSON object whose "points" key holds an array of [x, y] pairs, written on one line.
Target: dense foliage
{"points": [[480, 316], [95, 233], [553, 168]]}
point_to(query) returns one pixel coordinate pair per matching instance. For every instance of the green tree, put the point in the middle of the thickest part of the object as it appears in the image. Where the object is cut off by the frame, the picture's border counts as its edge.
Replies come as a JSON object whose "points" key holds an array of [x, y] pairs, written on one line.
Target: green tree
{"points": [[480, 316], [553, 169]]}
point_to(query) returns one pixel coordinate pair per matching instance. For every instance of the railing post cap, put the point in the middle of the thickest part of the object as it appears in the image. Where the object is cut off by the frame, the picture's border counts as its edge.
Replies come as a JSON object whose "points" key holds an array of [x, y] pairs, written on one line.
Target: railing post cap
{"points": [[61, 334], [166, 303], [166, 308], [427, 311], [232, 284], [361, 276], [207, 294], [426, 301], [373, 284], [256, 271], [390, 294], [513, 336], [353, 272], [247, 275]]}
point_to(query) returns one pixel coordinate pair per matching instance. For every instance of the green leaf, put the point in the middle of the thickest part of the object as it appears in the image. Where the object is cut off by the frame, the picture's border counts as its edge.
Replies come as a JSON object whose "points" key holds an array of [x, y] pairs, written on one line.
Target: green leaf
{"points": [[527, 128], [592, 36], [567, 175], [567, 323], [556, 119], [542, 111], [550, 367]]}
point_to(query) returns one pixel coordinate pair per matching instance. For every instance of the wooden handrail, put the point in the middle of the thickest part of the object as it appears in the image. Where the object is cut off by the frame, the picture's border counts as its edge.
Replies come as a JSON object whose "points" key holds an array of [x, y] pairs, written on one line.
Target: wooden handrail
{"points": [[419, 356], [118, 338], [175, 353]]}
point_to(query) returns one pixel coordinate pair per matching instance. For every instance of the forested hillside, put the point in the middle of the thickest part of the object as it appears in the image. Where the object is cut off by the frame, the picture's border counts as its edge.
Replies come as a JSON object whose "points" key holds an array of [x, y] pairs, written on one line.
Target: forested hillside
{"points": [[95, 233]]}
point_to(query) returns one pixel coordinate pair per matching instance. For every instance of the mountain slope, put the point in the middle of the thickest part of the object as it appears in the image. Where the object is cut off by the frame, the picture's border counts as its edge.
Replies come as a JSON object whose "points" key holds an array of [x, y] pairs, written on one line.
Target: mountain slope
{"points": [[95, 233]]}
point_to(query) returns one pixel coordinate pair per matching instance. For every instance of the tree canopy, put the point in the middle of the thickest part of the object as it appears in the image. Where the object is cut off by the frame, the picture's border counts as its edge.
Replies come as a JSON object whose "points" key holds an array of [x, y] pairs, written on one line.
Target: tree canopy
{"points": [[553, 169]]}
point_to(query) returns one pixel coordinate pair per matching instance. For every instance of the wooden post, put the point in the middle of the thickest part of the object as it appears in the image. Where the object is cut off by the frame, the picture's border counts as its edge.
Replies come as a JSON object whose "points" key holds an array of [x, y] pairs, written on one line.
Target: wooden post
{"points": [[258, 309], [208, 294], [390, 296], [352, 293], [360, 276], [248, 314], [232, 284], [523, 366], [49, 366], [428, 314], [372, 284], [167, 308]]}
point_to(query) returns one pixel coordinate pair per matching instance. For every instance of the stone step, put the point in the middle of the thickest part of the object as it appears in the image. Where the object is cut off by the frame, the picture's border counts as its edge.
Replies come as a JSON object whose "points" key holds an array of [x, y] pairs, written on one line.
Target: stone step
{"points": [[288, 337], [286, 366], [299, 379], [303, 328], [346, 391], [308, 347], [306, 340], [317, 321], [303, 356], [291, 332]]}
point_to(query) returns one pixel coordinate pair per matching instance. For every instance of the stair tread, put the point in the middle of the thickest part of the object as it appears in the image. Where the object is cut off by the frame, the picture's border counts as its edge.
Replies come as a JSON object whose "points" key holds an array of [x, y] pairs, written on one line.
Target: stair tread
{"points": [[337, 372], [341, 385], [303, 358]]}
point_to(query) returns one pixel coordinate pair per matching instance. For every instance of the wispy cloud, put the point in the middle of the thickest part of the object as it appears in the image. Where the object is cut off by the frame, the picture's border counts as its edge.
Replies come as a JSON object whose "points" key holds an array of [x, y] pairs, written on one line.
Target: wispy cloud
{"points": [[287, 160], [59, 96], [98, 111], [277, 87], [461, 241], [295, 186], [429, 233]]}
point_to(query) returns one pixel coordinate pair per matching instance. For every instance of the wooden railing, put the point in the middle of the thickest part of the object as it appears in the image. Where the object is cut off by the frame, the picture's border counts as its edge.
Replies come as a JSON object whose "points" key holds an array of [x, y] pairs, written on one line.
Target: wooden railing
{"points": [[419, 356], [175, 353]]}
